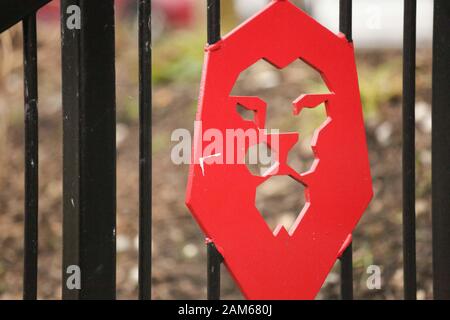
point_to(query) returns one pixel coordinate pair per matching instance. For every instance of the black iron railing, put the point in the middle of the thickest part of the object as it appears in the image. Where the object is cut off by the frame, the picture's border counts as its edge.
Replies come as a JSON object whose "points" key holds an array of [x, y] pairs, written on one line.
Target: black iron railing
{"points": [[345, 26], [31, 157], [145, 147], [409, 150], [89, 156], [441, 150], [89, 180]]}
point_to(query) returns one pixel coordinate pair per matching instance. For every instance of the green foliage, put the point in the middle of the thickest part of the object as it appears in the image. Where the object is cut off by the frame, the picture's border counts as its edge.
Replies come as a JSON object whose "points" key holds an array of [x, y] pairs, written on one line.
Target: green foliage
{"points": [[160, 142], [379, 84], [178, 57]]}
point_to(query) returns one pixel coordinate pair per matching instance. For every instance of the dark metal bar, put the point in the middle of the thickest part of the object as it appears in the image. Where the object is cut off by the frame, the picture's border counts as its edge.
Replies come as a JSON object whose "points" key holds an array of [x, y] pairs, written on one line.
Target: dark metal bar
{"points": [[441, 150], [145, 147], [31, 158], [89, 182], [215, 259], [13, 11], [213, 12], [345, 26], [409, 150], [71, 147], [345, 18], [347, 274]]}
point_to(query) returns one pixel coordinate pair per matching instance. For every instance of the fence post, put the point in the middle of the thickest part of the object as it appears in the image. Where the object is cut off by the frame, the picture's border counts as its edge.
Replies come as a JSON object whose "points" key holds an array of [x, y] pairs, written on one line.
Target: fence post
{"points": [[345, 26], [214, 258], [441, 150], [409, 150], [214, 262], [145, 147], [89, 125], [30, 272]]}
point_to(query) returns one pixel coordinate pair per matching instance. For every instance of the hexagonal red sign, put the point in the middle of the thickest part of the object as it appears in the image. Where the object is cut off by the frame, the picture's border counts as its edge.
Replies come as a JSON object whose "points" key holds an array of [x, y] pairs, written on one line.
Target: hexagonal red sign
{"points": [[285, 264]]}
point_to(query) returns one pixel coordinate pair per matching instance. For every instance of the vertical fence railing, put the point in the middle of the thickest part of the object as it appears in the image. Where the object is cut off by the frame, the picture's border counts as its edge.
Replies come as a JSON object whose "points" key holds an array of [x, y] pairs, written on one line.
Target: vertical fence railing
{"points": [[214, 258], [213, 265], [345, 26], [346, 18], [145, 147], [441, 150], [409, 150], [31, 158], [347, 273], [213, 21], [89, 179], [89, 125]]}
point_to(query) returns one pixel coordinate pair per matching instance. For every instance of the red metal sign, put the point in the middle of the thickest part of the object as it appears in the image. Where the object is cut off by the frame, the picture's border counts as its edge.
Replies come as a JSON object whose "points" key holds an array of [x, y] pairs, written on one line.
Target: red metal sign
{"points": [[285, 264]]}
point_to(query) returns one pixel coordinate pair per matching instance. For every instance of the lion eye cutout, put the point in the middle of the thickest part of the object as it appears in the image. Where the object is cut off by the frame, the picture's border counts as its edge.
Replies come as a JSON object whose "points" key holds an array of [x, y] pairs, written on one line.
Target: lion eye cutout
{"points": [[247, 115]]}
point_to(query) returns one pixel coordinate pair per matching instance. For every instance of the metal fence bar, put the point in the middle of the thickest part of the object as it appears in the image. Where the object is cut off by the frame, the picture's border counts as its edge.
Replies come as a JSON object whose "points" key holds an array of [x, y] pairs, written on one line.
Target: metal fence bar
{"points": [[345, 18], [145, 146], [215, 260], [347, 273], [71, 147], [213, 15], [89, 226], [31, 158], [409, 154], [345, 26], [441, 150]]}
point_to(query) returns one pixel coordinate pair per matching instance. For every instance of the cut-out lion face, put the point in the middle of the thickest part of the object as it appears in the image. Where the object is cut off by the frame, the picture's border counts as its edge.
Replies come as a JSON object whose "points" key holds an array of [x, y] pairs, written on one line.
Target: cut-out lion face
{"points": [[280, 264]]}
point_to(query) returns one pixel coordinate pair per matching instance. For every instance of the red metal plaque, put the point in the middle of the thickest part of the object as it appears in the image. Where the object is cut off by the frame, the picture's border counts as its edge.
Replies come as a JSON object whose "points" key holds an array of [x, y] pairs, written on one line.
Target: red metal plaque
{"points": [[285, 264]]}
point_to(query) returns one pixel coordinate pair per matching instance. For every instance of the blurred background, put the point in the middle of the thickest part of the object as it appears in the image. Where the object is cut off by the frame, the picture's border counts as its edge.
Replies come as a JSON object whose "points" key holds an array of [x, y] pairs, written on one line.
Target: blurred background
{"points": [[179, 38]]}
